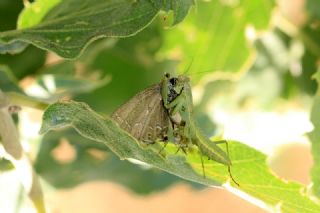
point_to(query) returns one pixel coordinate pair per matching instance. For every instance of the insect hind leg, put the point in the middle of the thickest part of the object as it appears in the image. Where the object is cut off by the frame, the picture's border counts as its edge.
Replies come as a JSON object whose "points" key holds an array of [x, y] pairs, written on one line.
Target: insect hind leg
{"points": [[202, 164], [163, 147], [229, 166]]}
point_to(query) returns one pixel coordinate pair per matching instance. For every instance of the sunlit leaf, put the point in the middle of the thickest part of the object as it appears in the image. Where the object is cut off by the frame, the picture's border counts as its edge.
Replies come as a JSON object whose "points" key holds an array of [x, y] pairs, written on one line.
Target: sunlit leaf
{"points": [[212, 37], [34, 12], [249, 166]]}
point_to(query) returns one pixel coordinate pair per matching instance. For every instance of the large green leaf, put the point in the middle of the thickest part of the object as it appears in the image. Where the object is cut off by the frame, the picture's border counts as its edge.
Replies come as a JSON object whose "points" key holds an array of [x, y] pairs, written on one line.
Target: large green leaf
{"points": [[86, 166], [212, 37], [72, 24], [249, 166]]}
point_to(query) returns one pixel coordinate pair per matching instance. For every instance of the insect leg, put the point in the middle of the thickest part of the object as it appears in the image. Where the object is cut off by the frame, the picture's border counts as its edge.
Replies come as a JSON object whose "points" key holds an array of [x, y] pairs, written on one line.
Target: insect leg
{"points": [[181, 148], [163, 147], [202, 164], [175, 105], [229, 166]]}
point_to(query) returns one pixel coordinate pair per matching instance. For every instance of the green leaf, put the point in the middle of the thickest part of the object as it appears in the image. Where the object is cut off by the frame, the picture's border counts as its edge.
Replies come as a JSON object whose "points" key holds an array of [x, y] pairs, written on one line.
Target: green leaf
{"points": [[180, 8], [249, 166], [212, 38], [93, 161], [95, 127], [72, 25], [33, 13]]}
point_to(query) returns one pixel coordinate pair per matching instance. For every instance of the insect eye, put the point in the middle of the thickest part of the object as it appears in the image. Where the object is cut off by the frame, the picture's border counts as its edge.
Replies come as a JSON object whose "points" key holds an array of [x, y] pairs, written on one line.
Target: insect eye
{"points": [[173, 81], [167, 75]]}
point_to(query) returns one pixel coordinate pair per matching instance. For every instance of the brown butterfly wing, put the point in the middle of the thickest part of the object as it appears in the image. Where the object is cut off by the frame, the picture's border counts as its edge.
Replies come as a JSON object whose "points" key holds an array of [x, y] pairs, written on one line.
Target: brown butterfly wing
{"points": [[144, 115]]}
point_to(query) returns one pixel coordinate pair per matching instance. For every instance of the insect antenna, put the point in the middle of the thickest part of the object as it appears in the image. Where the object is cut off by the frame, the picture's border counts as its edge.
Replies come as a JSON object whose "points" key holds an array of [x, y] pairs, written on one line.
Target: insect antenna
{"points": [[189, 67], [188, 73]]}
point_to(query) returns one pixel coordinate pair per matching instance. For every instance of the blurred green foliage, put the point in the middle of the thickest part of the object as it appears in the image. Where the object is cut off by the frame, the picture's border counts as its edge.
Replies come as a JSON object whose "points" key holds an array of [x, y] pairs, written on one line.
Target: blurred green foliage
{"points": [[232, 50]]}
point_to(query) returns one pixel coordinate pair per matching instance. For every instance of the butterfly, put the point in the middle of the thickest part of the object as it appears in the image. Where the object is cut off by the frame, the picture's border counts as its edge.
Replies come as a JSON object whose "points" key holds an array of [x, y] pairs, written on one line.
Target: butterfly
{"points": [[144, 116]]}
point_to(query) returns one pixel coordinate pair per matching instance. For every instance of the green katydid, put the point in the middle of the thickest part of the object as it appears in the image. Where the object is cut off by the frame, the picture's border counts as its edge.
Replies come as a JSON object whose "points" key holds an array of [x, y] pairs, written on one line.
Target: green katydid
{"points": [[177, 98], [163, 112]]}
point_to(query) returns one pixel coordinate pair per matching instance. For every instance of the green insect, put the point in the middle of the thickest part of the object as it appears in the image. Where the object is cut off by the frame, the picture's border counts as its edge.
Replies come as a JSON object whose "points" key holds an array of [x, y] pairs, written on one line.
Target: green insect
{"points": [[163, 113], [177, 98]]}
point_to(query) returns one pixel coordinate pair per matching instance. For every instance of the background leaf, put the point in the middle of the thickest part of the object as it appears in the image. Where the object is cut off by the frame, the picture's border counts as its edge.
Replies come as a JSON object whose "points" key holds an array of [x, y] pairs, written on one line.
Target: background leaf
{"points": [[212, 36], [86, 21], [34, 12]]}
